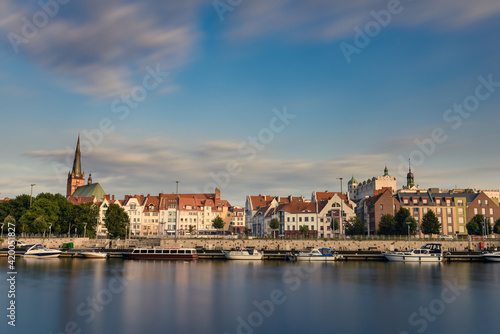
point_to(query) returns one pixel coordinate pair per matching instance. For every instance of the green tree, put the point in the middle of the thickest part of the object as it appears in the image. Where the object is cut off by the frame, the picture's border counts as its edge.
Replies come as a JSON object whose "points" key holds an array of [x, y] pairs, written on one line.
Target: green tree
{"points": [[246, 231], [430, 223], [274, 225], [41, 207], [304, 230], [116, 221], [334, 225], [355, 226], [387, 225], [39, 225], [401, 218], [475, 225], [218, 223], [191, 229], [496, 227], [86, 213]]}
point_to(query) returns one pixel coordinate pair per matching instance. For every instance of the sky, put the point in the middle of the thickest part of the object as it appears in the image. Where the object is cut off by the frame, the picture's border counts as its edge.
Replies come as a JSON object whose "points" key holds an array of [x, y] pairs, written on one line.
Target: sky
{"points": [[253, 97]]}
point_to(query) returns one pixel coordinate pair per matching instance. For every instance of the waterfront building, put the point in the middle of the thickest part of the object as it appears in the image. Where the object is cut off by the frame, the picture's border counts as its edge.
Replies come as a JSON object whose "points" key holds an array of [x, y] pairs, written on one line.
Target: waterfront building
{"points": [[150, 217], [237, 224], [373, 208], [103, 208], [358, 192], [134, 207], [256, 217], [329, 207], [292, 216]]}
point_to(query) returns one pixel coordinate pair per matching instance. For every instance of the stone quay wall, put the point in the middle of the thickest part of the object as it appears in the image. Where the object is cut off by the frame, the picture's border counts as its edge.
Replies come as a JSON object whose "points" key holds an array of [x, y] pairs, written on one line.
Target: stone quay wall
{"points": [[270, 244]]}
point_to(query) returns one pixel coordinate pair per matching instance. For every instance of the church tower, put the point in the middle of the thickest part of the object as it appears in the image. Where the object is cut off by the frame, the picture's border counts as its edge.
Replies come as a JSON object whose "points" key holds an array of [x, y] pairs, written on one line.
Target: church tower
{"points": [[75, 178], [410, 180]]}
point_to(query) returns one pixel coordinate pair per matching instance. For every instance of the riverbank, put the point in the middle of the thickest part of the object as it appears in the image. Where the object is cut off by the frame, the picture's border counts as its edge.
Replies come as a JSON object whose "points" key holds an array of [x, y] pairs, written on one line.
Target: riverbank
{"points": [[267, 244]]}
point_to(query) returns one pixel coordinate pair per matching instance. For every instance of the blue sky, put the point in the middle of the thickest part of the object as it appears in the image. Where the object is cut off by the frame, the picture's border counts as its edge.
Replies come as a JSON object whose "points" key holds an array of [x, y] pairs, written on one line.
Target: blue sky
{"points": [[223, 78]]}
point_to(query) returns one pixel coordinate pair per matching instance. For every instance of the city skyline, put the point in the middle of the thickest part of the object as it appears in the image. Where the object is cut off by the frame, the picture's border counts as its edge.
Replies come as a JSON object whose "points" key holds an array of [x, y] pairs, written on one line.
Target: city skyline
{"points": [[278, 98]]}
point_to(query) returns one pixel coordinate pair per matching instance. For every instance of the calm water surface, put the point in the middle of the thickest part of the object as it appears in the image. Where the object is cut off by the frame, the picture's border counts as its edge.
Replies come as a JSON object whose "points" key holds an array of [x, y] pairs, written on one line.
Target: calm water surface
{"points": [[116, 296]]}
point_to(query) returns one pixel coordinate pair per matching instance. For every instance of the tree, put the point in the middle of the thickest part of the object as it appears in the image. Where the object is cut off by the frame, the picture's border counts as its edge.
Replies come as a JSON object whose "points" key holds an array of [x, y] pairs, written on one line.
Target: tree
{"points": [[496, 228], [304, 230], [116, 220], [334, 225], [41, 207], [274, 225], [401, 218], [246, 231], [430, 223], [86, 213], [218, 223], [191, 229], [387, 225], [355, 226], [475, 225]]}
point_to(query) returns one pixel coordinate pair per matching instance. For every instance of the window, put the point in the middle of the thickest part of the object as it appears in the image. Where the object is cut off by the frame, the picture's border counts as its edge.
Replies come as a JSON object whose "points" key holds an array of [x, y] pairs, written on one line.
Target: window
{"points": [[448, 202], [460, 211], [461, 220], [448, 219], [306, 219], [288, 219], [425, 210], [491, 211], [475, 211], [312, 228], [438, 201], [450, 229], [312, 219], [300, 219], [405, 201], [415, 211], [479, 202], [461, 229], [293, 219], [293, 227], [483, 211], [460, 202], [415, 201], [424, 201], [288, 227], [485, 202], [448, 211]]}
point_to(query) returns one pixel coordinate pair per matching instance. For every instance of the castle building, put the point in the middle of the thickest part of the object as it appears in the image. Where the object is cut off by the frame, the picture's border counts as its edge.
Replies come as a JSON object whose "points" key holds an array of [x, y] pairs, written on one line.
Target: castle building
{"points": [[358, 192]]}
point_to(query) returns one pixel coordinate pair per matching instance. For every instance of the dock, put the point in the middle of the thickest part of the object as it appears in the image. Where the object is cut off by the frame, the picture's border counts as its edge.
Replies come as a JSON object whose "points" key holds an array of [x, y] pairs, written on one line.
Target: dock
{"points": [[279, 255]]}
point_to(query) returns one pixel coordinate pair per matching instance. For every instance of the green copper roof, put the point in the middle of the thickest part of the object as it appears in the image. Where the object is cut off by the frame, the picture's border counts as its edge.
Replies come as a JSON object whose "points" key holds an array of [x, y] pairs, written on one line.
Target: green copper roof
{"points": [[352, 180], [90, 190], [386, 171]]}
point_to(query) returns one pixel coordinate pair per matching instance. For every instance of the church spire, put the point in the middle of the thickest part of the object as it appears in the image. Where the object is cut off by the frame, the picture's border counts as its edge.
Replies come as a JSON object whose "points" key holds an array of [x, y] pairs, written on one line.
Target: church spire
{"points": [[77, 163], [410, 180]]}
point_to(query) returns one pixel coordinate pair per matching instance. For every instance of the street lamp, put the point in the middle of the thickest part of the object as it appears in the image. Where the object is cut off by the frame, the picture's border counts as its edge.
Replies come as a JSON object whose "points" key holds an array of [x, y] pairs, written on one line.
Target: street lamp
{"points": [[84, 229], [50, 229], [408, 222], [341, 207], [31, 195]]}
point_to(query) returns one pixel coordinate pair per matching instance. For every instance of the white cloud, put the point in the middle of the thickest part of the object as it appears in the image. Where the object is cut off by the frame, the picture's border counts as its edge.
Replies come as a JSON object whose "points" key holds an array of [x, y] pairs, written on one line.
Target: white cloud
{"points": [[101, 48]]}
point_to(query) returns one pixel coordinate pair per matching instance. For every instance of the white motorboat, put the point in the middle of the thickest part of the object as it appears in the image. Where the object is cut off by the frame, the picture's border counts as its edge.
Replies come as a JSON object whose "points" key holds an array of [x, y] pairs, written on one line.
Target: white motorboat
{"points": [[39, 251], [317, 254], [492, 256], [427, 253], [243, 254], [94, 255]]}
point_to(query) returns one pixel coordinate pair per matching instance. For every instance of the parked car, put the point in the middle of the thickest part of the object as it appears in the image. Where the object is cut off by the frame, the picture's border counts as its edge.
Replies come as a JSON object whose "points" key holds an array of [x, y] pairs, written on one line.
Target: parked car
{"points": [[444, 236]]}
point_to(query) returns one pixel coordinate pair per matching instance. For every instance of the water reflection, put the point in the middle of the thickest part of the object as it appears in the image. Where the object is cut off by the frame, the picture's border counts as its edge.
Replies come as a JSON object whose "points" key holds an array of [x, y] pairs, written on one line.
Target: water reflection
{"points": [[116, 296]]}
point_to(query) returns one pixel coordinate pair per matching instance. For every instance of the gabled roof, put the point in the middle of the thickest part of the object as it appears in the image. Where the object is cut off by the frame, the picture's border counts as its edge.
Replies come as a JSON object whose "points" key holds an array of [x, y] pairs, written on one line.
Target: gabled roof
{"points": [[90, 190], [309, 207], [81, 200]]}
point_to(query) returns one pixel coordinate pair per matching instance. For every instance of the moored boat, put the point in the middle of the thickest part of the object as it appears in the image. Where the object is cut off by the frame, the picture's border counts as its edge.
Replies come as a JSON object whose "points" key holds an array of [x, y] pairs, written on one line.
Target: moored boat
{"points": [[495, 257], [243, 254], [427, 253], [40, 251], [317, 254], [94, 255], [169, 253]]}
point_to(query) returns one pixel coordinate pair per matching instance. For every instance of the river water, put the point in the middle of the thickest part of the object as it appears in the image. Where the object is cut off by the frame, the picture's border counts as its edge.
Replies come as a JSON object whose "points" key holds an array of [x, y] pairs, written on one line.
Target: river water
{"points": [[128, 296]]}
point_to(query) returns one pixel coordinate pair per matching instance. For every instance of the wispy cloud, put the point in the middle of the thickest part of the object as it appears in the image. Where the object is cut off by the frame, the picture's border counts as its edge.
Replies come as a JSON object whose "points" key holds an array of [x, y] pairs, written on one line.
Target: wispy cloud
{"points": [[332, 20], [99, 47]]}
